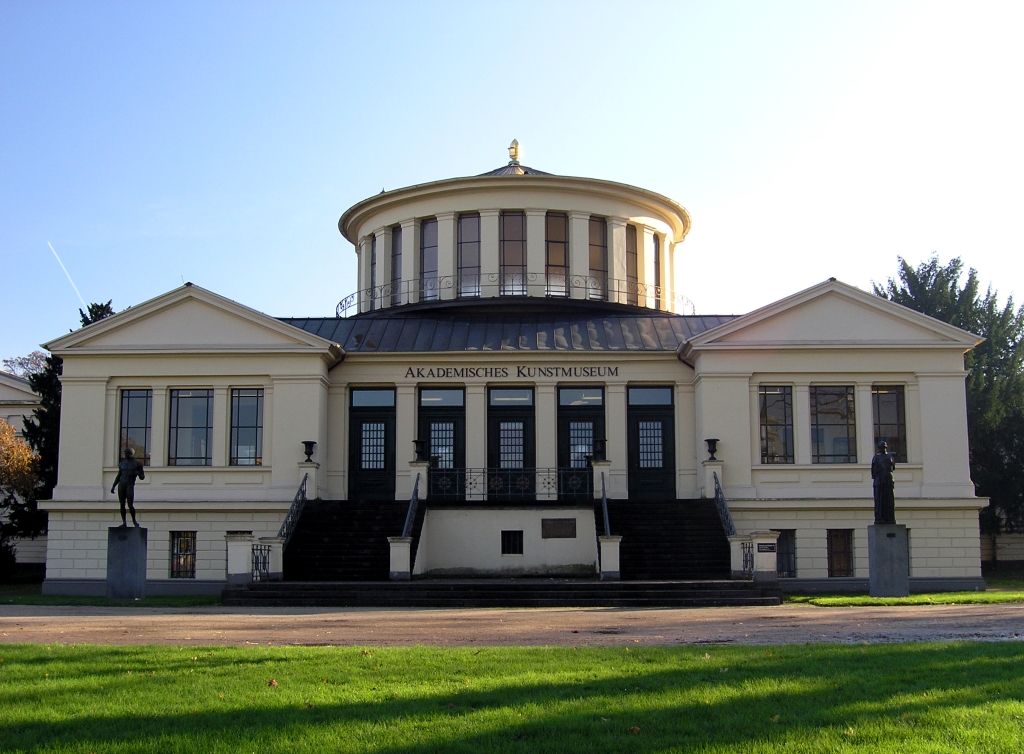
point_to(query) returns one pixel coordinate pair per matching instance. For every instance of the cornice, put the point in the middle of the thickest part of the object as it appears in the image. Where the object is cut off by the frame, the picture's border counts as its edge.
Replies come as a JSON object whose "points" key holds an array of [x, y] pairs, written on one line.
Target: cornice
{"points": [[672, 212]]}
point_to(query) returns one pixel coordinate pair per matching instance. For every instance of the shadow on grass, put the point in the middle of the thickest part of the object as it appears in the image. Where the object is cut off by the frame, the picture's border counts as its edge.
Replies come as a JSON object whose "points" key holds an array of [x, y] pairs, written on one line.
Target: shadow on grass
{"points": [[644, 700]]}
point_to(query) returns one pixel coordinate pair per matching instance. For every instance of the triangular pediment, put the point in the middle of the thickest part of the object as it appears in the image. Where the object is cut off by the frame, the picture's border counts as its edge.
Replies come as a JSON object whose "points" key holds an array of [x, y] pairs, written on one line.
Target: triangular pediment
{"points": [[15, 389], [834, 314], [190, 319]]}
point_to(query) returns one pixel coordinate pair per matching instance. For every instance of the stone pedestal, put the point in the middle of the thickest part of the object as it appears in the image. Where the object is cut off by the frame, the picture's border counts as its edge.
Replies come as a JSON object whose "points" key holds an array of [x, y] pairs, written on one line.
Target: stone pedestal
{"points": [[126, 562], [736, 543], [239, 557], [766, 564], [401, 558], [888, 560], [609, 557], [711, 468]]}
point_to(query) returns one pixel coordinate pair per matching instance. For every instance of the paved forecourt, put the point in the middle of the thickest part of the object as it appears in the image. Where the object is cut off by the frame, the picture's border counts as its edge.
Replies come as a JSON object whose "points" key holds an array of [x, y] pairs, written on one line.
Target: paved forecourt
{"points": [[788, 624]]}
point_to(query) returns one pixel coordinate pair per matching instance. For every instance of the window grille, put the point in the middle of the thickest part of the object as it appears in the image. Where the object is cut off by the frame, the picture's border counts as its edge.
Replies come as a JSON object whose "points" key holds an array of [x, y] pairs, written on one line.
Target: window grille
{"points": [[890, 419], [442, 444], [833, 425], [511, 450], [183, 554], [840, 552], [246, 427], [372, 445], [191, 428], [513, 253], [469, 255], [581, 443], [512, 542], [396, 265], [632, 277], [136, 423], [557, 241], [776, 408], [373, 272], [651, 452], [428, 259], [598, 286], [785, 559]]}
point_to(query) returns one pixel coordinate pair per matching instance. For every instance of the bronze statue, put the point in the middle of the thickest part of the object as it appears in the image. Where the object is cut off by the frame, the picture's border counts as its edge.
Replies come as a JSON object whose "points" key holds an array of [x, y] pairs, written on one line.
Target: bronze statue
{"points": [[127, 471], [882, 465]]}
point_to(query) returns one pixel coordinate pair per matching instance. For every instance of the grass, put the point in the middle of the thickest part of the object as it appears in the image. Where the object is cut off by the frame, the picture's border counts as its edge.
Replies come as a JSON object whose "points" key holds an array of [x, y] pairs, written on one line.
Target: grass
{"points": [[31, 594], [1002, 587], [887, 698]]}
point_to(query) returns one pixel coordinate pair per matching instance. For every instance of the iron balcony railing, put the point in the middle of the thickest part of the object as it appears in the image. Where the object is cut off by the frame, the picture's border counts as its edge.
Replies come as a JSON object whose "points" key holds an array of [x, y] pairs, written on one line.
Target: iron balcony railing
{"points": [[496, 284], [510, 485]]}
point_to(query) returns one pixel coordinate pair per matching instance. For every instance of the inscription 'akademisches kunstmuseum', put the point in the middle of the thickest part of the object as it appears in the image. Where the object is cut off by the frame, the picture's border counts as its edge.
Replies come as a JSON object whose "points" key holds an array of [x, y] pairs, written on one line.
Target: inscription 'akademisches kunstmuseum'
{"points": [[449, 373]]}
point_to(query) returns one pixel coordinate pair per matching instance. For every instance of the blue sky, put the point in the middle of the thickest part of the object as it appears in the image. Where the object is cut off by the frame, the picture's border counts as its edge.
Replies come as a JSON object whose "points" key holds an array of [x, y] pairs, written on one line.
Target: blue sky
{"points": [[218, 143]]}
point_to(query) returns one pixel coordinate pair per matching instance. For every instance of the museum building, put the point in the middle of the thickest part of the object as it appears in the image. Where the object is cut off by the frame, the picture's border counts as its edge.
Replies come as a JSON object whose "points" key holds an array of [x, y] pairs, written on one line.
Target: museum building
{"points": [[516, 363]]}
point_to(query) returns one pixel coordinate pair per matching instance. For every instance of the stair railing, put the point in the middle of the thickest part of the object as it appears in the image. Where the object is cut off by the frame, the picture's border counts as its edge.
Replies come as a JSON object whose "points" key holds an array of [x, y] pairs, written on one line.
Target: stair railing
{"points": [[723, 508], [604, 508], [292, 519], [410, 517]]}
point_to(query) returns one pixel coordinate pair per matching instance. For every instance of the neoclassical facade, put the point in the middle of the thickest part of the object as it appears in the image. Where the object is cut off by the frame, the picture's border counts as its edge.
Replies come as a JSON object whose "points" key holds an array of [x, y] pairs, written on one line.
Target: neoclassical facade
{"points": [[515, 355]]}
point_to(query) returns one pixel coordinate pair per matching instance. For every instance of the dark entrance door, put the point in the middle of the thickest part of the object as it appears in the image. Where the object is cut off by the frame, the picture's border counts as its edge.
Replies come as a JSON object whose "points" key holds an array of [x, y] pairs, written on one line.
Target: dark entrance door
{"points": [[443, 426], [371, 444], [511, 445], [650, 443], [580, 436]]}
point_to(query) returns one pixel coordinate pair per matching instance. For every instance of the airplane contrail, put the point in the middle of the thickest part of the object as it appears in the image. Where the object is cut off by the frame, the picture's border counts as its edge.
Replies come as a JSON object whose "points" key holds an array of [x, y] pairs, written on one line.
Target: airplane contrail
{"points": [[68, 274]]}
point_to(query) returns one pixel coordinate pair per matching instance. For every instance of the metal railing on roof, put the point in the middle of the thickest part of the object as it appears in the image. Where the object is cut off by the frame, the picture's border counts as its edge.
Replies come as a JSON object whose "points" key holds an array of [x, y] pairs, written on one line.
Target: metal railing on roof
{"points": [[506, 284]]}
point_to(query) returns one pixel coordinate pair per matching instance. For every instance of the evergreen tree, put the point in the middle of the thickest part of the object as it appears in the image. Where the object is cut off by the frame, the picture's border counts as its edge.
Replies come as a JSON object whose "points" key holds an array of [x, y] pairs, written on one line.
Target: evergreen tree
{"points": [[995, 382], [42, 432]]}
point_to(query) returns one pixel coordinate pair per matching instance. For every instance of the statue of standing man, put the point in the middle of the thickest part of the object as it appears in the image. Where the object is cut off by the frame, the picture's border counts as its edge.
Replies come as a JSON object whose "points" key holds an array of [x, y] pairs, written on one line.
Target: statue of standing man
{"points": [[882, 466], [127, 472]]}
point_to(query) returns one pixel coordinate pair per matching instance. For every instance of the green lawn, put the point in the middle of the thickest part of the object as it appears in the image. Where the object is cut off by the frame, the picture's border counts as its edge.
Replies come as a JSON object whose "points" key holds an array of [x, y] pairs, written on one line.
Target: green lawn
{"points": [[1002, 586], [886, 698]]}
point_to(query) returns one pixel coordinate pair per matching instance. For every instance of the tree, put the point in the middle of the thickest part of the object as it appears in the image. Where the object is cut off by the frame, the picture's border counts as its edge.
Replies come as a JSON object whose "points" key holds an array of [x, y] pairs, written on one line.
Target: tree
{"points": [[42, 431], [18, 484], [995, 382], [23, 366]]}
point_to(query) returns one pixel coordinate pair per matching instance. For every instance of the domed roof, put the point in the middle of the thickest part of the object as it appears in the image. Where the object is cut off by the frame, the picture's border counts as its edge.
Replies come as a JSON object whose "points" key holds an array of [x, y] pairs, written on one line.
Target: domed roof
{"points": [[513, 167]]}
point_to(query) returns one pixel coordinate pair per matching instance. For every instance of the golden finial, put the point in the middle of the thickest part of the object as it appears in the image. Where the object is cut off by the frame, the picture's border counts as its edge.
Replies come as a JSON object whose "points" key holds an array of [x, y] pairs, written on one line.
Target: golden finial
{"points": [[513, 152]]}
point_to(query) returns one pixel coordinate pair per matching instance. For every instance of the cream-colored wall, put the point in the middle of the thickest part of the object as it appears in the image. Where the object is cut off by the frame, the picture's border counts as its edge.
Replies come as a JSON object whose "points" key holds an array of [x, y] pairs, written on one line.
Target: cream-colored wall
{"points": [[77, 543], [295, 409], [458, 541], [1007, 547], [944, 541]]}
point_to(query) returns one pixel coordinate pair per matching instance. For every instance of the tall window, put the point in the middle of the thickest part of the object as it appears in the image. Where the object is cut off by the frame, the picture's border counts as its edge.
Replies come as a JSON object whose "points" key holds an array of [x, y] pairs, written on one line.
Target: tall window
{"points": [[833, 425], [136, 423], [840, 552], [469, 255], [373, 272], [191, 428], [598, 287], [632, 278], [556, 228], [246, 427], [183, 554], [890, 419], [776, 404], [396, 265], [428, 260], [513, 253]]}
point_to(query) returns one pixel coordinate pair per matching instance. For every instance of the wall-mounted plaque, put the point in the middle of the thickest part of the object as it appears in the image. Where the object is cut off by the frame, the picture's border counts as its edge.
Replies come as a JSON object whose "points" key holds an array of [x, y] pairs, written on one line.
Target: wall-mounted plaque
{"points": [[558, 528]]}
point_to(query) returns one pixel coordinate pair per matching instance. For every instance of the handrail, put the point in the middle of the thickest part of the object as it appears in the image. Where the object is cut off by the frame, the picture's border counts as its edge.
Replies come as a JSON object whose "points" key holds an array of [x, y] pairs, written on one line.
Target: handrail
{"points": [[508, 284], [604, 508], [723, 508], [410, 517], [292, 519]]}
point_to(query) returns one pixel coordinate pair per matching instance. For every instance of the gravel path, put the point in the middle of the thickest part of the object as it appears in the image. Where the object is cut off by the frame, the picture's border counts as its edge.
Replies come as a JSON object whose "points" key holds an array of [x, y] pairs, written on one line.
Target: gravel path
{"points": [[787, 624]]}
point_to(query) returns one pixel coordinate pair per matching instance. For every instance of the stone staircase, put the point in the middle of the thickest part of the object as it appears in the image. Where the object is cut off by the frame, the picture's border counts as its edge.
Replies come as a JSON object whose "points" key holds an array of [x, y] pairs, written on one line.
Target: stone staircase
{"points": [[669, 540]]}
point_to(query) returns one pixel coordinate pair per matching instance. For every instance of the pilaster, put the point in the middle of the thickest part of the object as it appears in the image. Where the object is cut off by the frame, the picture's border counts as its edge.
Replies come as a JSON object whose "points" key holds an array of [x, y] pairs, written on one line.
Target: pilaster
{"points": [[221, 435], [645, 266], [158, 429], [364, 273], [536, 251], [579, 252], [383, 268], [476, 426], [615, 424], [617, 259], [546, 414], [865, 424], [410, 260], [801, 423], [405, 433], [446, 255], [489, 254]]}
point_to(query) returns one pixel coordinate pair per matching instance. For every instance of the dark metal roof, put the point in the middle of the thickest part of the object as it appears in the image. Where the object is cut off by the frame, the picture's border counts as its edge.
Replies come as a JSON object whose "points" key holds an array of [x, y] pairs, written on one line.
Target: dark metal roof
{"points": [[432, 334], [514, 168]]}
